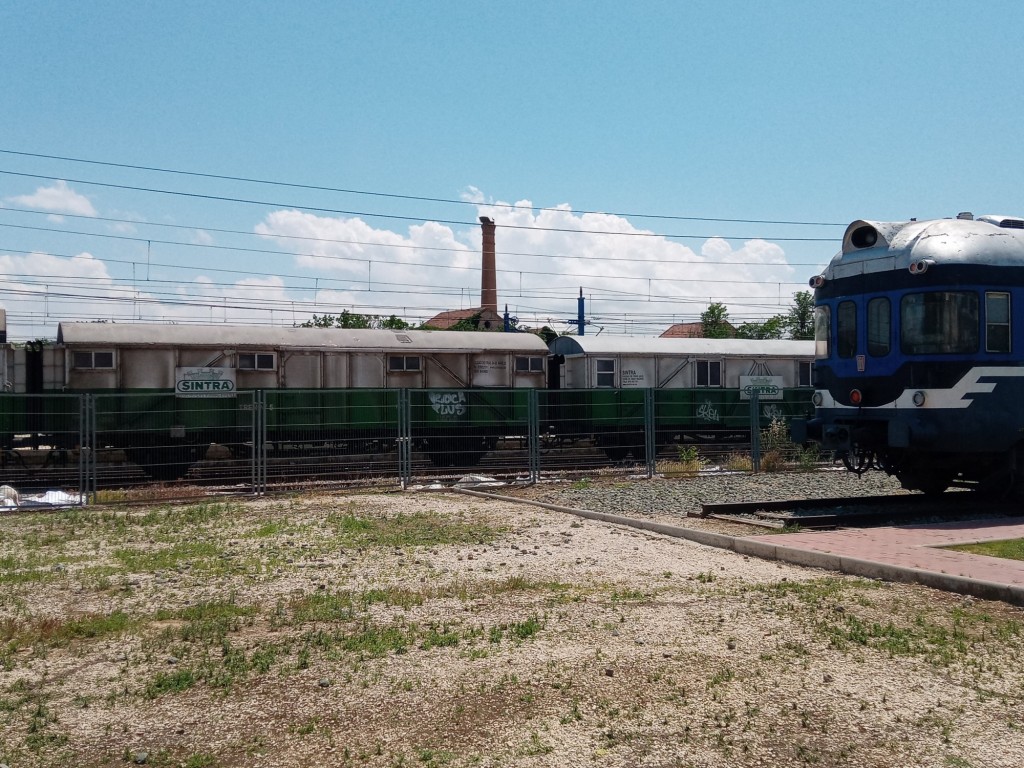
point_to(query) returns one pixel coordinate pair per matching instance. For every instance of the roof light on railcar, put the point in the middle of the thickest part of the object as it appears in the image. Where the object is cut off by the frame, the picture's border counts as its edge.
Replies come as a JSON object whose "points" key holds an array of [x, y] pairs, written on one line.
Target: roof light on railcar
{"points": [[856, 397], [920, 266], [817, 399], [918, 398], [817, 281]]}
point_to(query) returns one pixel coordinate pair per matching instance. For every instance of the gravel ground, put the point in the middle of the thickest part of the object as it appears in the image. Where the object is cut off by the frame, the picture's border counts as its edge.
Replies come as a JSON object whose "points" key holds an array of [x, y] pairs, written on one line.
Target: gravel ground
{"points": [[439, 629], [671, 499]]}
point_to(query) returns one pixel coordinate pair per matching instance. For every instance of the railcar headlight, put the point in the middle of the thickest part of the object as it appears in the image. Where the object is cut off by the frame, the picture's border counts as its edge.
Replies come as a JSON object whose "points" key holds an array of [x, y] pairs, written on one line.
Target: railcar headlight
{"points": [[817, 399], [918, 398], [817, 281], [855, 396]]}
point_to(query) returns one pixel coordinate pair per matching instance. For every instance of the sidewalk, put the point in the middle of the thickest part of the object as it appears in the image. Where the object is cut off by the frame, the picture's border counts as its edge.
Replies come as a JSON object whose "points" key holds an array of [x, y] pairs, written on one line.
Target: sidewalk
{"points": [[909, 553]]}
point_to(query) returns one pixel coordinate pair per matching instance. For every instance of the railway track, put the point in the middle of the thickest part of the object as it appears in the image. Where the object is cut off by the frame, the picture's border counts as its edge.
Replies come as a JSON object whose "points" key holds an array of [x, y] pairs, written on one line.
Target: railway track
{"points": [[855, 511]]}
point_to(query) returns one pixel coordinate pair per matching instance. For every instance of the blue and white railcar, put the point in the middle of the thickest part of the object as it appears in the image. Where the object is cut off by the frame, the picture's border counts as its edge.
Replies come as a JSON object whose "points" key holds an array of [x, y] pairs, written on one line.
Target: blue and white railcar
{"points": [[920, 352]]}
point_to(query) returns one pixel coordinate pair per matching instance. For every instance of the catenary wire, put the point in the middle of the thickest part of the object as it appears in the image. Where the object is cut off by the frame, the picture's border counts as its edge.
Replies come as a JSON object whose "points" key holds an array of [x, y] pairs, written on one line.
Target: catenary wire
{"points": [[392, 195]]}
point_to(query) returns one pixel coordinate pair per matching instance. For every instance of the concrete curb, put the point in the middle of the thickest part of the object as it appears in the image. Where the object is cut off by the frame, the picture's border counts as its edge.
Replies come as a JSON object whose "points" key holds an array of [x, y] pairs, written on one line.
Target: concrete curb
{"points": [[988, 590]]}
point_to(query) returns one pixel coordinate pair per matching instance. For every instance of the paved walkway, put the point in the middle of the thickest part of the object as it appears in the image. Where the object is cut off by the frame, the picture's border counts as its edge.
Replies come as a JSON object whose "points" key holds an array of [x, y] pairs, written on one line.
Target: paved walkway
{"points": [[906, 553], [909, 553]]}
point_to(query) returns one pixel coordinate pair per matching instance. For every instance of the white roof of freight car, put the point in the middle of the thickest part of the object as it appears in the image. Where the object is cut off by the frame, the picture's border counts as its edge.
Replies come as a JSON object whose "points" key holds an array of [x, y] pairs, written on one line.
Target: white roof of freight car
{"points": [[640, 346], [249, 337]]}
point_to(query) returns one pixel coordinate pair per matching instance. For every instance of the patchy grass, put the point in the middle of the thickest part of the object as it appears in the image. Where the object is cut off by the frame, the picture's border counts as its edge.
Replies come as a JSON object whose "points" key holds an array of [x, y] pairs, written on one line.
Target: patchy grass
{"points": [[1009, 549]]}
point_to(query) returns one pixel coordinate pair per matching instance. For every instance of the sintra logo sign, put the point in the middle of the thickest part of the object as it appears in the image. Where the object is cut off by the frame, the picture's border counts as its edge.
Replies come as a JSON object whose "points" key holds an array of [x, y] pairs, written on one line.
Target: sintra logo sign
{"points": [[448, 405], [203, 381]]}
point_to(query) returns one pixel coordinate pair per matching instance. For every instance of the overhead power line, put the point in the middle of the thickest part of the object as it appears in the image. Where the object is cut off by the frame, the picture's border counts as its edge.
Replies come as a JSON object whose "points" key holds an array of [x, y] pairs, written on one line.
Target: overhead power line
{"points": [[463, 251], [397, 196], [396, 217]]}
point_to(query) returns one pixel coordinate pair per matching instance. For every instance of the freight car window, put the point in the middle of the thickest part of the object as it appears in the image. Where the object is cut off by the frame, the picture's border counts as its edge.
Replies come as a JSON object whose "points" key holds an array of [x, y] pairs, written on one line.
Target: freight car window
{"points": [[529, 365], [256, 361], [879, 323], [997, 322], [846, 329], [709, 373], [606, 373], [403, 363], [939, 323], [804, 374], [93, 359]]}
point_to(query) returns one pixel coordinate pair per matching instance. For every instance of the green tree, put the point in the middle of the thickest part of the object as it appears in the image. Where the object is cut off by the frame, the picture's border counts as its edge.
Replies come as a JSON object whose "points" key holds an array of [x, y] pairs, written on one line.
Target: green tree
{"points": [[355, 320], [800, 318], [714, 322], [772, 328]]}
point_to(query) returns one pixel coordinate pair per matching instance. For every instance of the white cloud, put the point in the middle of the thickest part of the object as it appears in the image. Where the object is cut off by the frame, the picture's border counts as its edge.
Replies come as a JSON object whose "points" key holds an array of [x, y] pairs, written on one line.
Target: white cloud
{"points": [[59, 198], [544, 257], [633, 279]]}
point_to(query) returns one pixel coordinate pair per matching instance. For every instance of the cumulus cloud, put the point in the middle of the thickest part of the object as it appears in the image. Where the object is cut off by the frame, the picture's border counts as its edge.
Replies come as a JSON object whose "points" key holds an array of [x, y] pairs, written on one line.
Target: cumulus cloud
{"points": [[41, 290], [633, 279], [59, 198], [544, 258]]}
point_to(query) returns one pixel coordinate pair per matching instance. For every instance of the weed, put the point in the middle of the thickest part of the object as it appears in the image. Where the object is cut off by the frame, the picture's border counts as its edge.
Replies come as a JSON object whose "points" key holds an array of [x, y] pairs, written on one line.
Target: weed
{"points": [[169, 682], [738, 462]]}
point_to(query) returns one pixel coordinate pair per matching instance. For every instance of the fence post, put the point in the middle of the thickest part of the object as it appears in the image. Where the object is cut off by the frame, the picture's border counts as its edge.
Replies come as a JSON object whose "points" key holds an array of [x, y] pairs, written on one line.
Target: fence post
{"points": [[87, 480], [755, 431], [650, 432], [533, 434], [404, 438]]}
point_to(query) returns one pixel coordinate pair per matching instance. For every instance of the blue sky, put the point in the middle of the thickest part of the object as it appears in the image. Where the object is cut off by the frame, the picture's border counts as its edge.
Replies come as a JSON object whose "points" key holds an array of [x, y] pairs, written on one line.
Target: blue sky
{"points": [[774, 112]]}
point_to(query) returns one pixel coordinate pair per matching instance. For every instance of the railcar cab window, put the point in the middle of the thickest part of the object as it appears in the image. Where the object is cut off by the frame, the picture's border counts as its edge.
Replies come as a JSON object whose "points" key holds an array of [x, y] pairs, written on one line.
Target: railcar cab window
{"points": [[605, 373], [939, 323], [879, 326], [997, 322], [403, 363], [93, 359], [846, 329], [529, 365], [709, 373], [256, 361], [822, 331]]}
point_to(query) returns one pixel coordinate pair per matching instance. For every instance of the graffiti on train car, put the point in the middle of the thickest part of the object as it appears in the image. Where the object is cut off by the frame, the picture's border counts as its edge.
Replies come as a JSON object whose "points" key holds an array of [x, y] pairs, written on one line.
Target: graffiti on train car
{"points": [[448, 404]]}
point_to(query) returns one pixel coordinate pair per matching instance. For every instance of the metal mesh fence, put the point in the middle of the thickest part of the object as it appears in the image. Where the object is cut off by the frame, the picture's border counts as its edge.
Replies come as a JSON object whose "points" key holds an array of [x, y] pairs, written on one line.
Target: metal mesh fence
{"points": [[280, 439]]}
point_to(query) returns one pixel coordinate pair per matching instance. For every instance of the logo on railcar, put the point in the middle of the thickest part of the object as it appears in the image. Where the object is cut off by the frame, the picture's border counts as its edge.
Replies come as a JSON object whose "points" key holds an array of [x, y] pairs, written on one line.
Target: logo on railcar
{"points": [[766, 387], [204, 382], [448, 405]]}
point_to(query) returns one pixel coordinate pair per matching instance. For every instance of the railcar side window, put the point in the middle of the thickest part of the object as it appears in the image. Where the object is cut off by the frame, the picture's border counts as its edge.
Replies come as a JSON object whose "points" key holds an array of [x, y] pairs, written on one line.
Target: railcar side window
{"points": [[529, 365], [846, 329], [879, 324], [606, 373], [822, 331], [804, 374], [709, 373], [93, 359], [997, 322], [403, 363], [939, 323], [256, 361]]}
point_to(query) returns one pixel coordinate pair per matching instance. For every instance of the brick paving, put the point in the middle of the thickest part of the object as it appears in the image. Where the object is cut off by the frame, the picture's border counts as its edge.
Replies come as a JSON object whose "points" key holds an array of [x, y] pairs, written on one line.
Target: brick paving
{"points": [[918, 548]]}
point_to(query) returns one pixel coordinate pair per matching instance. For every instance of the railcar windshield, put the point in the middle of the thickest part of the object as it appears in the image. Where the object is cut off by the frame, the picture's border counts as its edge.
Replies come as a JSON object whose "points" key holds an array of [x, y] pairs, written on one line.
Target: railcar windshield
{"points": [[822, 331], [939, 323]]}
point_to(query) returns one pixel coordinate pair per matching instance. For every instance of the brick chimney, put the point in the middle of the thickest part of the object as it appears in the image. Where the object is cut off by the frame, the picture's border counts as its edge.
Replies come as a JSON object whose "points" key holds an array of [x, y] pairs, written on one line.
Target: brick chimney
{"points": [[489, 274]]}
